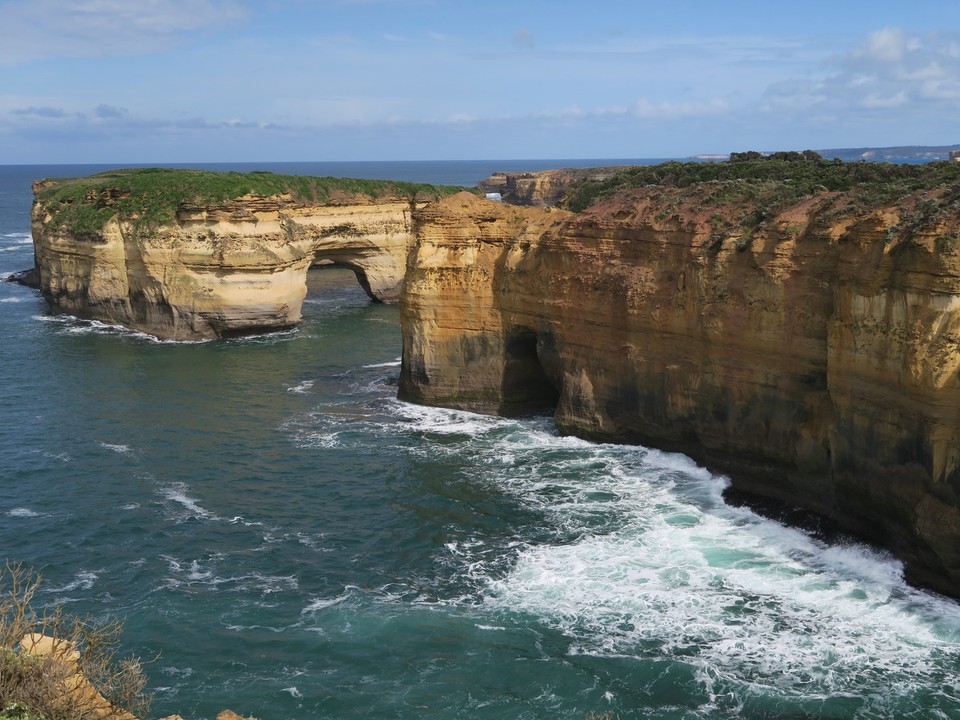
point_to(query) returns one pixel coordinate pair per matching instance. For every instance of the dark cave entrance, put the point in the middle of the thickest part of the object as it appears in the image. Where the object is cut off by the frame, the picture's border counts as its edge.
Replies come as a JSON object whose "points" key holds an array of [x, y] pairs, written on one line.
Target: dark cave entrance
{"points": [[528, 387]]}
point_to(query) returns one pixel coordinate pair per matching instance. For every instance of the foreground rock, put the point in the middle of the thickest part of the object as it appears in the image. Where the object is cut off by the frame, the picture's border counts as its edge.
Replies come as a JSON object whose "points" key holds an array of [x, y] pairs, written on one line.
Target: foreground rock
{"points": [[28, 278], [74, 693], [812, 354], [118, 249]]}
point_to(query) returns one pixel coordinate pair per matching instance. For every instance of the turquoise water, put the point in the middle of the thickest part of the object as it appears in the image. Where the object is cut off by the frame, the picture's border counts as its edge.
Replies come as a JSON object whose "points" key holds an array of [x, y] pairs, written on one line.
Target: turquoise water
{"points": [[290, 541]]}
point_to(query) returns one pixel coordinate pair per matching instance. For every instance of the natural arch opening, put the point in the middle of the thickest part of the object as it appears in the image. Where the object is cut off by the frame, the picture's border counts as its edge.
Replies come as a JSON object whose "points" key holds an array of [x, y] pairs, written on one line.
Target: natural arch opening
{"points": [[527, 386], [321, 263]]}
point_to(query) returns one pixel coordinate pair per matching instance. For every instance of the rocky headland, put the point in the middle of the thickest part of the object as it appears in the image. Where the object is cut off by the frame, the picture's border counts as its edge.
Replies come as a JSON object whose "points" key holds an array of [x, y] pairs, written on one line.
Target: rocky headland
{"points": [[185, 254], [791, 322]]}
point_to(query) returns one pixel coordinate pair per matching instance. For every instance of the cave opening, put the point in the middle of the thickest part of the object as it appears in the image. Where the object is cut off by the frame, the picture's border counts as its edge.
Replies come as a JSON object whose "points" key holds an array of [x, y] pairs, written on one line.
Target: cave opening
{"points": [[528, 388], [325, 264]]}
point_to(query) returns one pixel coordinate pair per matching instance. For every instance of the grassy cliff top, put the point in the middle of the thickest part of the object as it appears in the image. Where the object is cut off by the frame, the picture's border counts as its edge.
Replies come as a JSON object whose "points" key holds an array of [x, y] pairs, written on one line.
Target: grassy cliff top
{"points": [[150, 196], [789, 176]]}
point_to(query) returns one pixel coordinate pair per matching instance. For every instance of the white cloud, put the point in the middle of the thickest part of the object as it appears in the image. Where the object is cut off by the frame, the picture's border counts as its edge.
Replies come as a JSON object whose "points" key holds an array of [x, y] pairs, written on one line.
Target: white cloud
{"points": [[646, 109], [892, 69], [68, 28], [42, 111], [882, 102], [886, 45]]}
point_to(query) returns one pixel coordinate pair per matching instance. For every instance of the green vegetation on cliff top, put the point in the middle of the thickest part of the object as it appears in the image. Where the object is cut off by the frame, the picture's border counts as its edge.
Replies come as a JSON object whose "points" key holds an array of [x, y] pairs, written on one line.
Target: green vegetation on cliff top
{"points": [[151, 196], [789, 175]]}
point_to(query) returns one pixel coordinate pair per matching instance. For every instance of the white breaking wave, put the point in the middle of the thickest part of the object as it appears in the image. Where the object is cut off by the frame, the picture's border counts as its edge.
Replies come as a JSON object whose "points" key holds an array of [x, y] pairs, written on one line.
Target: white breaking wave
{"points": [[83, 580], [72, 325], [302, 388], [441, 421], [392, 363], [177, 492], [22, 512], [349, 593], [203, 573], [117, 448], [650, 562], [661, 565]]}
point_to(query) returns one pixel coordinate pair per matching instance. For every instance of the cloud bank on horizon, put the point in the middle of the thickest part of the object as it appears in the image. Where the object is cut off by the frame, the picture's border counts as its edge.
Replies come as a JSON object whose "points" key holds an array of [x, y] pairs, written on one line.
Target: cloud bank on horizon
{"points": [[220, 80]]}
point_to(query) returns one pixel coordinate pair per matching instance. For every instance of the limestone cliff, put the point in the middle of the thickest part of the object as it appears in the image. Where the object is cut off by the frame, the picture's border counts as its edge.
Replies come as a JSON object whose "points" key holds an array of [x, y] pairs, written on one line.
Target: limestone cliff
{"points": [[793, 323], [215, 266], [546, 188], [809, 349]]}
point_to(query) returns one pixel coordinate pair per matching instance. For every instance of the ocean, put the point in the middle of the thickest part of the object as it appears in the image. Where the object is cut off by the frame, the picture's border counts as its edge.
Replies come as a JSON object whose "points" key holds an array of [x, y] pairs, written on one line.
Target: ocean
{"points": [[282, 537]]}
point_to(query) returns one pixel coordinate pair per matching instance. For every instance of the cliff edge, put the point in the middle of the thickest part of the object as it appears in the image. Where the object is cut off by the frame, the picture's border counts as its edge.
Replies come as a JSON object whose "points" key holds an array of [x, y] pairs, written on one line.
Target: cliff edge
{"points": [[793, 325], [791, 322]]}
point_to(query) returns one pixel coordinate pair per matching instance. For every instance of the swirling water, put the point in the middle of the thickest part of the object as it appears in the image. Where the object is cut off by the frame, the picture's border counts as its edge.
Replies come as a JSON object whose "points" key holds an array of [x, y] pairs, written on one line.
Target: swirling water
{"points": [[289, 540]]}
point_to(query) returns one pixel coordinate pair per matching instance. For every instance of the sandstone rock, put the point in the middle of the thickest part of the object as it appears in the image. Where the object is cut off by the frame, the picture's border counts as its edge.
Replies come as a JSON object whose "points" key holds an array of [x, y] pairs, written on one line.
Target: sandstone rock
{"points": [[231, 715], [79, 693], [218, 270], [811, 353], [815, 359], [545, 188]]}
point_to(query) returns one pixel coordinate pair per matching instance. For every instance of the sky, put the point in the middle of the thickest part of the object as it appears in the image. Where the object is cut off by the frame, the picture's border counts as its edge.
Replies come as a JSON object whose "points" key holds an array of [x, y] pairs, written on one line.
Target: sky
{"points": [[141, 81]]}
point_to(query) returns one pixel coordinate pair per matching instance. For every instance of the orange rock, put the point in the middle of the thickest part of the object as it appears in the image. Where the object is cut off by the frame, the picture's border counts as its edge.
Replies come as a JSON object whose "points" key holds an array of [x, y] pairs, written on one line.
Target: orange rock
{"points": [[813, 358], [231, 715]]}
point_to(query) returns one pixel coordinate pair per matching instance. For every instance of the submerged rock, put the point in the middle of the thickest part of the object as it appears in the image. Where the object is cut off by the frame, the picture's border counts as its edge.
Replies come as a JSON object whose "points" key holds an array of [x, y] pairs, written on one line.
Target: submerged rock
{"points": [[30, 278]]}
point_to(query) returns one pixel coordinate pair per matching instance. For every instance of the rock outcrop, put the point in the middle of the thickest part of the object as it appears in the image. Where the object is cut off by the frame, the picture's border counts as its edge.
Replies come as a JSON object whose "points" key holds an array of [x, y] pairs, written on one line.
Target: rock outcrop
{"points": [[546, 188], [215, 268], [219, 270], [72, 692], [813, 357], [796, 327]]}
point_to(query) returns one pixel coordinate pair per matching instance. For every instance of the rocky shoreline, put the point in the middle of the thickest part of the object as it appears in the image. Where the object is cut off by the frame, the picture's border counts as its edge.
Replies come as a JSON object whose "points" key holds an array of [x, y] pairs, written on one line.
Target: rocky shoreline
{"points": [[800, 336]]}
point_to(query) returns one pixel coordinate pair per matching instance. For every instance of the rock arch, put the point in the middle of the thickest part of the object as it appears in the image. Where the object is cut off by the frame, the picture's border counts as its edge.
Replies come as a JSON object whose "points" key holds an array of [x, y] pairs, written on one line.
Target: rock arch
{"points": [[219, 270]]}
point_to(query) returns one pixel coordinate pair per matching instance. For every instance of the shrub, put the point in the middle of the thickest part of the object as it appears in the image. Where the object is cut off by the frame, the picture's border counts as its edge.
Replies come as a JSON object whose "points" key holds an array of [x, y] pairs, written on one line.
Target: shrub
{"points": [[152, 196], [779, 179], [55, 666]]}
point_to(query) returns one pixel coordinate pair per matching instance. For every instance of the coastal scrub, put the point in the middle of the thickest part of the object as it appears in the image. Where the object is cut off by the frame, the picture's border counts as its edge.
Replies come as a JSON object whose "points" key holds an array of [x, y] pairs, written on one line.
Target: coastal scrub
{"points": [[152, 196]]}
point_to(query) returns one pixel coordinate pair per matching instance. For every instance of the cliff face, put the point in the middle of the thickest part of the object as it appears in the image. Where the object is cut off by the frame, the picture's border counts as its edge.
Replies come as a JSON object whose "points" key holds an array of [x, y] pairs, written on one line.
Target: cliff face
{"points": [[813, 358], [546, 188], [217, 269], [804, 341]]}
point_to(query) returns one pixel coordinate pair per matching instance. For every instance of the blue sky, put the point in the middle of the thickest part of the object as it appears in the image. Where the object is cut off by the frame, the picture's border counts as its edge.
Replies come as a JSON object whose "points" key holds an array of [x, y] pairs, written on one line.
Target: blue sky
{"points": [[117, 81]]}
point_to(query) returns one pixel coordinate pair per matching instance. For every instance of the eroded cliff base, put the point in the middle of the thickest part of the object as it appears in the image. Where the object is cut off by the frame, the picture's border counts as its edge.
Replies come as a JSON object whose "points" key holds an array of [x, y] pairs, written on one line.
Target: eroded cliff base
{"points": [[792, 324]]}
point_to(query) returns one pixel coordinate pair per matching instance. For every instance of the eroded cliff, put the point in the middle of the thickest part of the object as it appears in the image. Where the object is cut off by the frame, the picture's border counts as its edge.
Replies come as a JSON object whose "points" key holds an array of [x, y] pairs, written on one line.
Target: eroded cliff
{"points": [[795, 325], [805, 343], [186, 255]]}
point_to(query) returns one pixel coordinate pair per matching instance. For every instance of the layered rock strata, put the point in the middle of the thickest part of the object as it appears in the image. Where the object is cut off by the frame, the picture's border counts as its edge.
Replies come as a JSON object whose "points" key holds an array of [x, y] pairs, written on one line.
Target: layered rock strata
{"points": [[546, 188], [813, 358], [807, 344], [218, 269]]}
